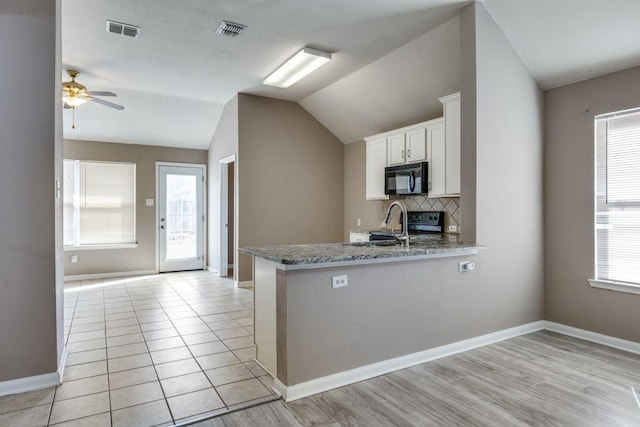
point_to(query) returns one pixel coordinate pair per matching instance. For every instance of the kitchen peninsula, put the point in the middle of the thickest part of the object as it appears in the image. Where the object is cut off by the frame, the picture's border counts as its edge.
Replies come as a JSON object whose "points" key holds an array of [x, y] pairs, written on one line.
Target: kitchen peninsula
{"points": [[330, 314]]}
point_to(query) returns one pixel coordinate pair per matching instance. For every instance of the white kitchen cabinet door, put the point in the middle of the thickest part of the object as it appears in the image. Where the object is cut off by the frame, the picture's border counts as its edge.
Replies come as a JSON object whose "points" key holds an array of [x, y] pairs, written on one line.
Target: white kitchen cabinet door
{"points": [[437, 158], [451, 106], [396, 149], [375, 164], [416, 145]]}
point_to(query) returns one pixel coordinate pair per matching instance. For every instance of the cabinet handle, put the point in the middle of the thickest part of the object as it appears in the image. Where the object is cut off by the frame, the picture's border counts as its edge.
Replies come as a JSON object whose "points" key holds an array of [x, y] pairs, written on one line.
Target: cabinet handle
{"points": [[403, 155], [409, 152]]}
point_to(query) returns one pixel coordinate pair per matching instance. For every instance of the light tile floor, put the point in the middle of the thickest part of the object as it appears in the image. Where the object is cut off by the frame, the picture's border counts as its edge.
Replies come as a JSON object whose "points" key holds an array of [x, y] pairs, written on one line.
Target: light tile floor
{"points": [[151, 350]]}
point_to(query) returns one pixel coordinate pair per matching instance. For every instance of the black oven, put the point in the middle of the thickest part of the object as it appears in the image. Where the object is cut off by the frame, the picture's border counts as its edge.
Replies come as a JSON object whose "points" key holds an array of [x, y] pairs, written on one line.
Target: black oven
{"points": [[406, 179]]}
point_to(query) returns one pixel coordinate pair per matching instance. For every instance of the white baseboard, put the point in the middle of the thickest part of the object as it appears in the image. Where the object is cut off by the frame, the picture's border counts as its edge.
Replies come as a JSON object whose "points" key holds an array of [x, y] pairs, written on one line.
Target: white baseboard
{"points": [[36, 382], [107, 275], [210, 269], [62, 364], [246, 284], [22, 385], [630, 346], [280, 389], [340, 379]]}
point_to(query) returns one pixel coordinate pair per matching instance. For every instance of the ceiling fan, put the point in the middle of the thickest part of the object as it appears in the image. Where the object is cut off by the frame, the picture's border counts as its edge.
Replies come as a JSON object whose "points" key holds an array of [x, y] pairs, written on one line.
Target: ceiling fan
{"points": [[74, 94]]}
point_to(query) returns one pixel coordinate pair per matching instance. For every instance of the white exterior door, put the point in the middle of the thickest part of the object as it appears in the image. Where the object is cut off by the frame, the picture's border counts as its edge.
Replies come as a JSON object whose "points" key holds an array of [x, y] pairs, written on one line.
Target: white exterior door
{"points": [[181, 217]]}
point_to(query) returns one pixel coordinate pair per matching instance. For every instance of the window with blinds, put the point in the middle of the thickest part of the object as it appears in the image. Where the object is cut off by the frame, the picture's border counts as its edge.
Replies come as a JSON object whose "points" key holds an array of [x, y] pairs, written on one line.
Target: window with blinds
{"points": [[617, 198], [99, 203]]}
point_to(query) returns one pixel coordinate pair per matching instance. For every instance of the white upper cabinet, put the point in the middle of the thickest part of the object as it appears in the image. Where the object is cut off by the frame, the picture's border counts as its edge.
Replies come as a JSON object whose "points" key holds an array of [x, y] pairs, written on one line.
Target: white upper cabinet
{"points": [[436, 157], [407, 145], [443, 150], [451, 106], [395, 148], [416, 143], [436, 142], [375, 164]]}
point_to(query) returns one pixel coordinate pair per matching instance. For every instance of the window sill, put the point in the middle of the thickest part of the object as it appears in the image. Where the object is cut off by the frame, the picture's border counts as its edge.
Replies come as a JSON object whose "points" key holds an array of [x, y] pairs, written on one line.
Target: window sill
{"points": [[99, 247], [614, 286]]}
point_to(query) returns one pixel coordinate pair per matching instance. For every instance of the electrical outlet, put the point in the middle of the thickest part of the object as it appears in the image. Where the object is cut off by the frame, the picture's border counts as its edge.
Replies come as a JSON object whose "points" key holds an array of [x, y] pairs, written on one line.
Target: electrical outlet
{"points": [[339, 281], [452, 228], [74, 259], [358, 222], [466, 266]]}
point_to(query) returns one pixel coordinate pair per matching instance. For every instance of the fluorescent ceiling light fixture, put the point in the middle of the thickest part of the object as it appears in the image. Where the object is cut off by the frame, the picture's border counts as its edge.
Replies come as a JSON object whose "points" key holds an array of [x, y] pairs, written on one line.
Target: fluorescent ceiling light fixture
{"points": [[300, 65]]}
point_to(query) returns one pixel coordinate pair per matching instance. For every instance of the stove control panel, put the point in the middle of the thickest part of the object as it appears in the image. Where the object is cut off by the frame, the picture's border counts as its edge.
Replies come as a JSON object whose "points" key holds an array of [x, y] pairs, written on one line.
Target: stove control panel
{"points": [[426, 221]]}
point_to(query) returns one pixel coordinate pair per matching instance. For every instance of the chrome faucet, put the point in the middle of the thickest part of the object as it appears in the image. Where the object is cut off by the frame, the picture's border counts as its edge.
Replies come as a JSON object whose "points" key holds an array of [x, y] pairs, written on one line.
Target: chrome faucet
{"points": [[404, 237]]}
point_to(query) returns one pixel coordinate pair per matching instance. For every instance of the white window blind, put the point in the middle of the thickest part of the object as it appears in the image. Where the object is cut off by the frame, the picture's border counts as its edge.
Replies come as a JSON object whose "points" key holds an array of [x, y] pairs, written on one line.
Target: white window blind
{"points": [[99, 203], [617, 207]]}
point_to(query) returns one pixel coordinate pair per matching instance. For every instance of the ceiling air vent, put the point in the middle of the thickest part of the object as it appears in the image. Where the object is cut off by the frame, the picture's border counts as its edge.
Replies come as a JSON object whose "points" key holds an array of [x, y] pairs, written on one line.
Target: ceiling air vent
{"points": [[123, 29], [230, 29]]}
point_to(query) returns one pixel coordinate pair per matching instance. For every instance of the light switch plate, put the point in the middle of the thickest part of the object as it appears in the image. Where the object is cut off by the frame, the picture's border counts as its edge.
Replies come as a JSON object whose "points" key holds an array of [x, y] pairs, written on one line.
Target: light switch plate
{"points": [[149, 202]]}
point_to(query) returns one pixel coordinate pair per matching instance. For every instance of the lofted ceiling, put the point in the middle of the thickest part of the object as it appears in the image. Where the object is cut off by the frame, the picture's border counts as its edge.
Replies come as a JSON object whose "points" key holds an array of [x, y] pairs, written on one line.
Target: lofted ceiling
{"points": [[565, 41], [175, 78], [178, 59]]}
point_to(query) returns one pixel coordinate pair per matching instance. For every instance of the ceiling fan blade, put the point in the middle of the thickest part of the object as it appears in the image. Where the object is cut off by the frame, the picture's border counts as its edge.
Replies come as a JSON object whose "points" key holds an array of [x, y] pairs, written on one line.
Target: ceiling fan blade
{"points": [[100, 93], [107, 103]]}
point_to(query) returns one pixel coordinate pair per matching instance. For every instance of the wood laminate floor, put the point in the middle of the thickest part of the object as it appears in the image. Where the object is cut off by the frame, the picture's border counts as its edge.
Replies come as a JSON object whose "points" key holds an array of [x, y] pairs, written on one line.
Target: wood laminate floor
{"points": [[540, 379]]}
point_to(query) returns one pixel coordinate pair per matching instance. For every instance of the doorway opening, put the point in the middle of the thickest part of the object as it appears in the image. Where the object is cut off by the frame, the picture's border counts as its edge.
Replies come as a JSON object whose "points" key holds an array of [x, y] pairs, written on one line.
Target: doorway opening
{"points": [[227, 217]]}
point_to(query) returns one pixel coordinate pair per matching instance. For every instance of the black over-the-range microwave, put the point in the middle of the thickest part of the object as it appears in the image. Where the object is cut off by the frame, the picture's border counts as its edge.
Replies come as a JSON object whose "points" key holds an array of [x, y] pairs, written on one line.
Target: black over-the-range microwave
{"points": [[406, 179]]}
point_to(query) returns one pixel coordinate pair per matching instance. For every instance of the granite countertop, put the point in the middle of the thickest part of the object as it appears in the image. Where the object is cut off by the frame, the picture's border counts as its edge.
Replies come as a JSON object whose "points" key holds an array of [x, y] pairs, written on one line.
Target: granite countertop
{"points": [[295, 257]]}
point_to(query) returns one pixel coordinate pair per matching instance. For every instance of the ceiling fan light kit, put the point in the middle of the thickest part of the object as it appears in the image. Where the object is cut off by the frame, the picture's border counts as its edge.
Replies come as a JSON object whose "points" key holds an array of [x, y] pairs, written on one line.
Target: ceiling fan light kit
{"points": [[74, 95], [297, 67], [72, 92]]}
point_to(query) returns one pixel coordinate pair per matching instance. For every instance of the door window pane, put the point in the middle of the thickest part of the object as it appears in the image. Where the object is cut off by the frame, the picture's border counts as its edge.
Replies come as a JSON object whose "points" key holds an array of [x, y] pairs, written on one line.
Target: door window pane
{"points": [[181, 221]]}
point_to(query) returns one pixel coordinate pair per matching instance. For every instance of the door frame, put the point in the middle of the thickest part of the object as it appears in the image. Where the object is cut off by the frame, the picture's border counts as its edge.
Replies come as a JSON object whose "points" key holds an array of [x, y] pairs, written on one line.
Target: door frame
{"points": [[204, 208], [223, 269]]}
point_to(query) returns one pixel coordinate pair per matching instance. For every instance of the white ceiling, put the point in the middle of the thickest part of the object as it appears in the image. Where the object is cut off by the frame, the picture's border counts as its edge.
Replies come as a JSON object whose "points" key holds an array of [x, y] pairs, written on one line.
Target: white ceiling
{"points": [[179, 58], [175, 78], [565, 41]]}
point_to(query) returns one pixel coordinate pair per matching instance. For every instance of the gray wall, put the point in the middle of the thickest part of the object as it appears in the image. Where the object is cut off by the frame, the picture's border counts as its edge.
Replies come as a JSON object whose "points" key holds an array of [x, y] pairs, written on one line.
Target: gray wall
{"points": [[30, 144], [502, 172], [569, 193], [143, 257], [291, 183], [356, 204], [388, 310]]}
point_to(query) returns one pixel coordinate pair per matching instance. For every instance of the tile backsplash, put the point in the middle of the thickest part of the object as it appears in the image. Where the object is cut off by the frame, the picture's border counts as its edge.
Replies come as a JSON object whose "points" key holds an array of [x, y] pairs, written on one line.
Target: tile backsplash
{"points": [[449, 205]]}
